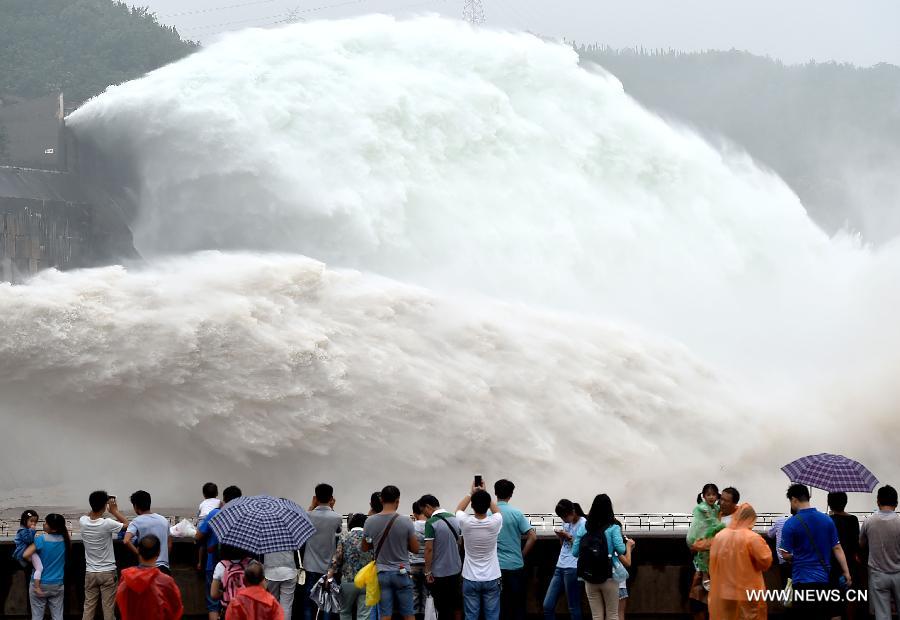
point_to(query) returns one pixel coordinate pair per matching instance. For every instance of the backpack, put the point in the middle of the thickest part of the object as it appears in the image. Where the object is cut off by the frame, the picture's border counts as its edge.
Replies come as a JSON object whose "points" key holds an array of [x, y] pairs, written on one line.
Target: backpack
{"points": [[595, 563], [233, 579]]}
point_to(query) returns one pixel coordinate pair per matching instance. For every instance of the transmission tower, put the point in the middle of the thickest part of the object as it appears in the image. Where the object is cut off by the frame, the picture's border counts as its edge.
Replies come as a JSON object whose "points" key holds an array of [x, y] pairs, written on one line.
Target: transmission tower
{"points": [[293, 16], [473, 11]]}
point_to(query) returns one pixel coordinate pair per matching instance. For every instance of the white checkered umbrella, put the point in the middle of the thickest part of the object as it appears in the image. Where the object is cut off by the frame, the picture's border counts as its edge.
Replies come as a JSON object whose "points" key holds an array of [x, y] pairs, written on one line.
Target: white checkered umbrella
{"points": [[262, 524]]}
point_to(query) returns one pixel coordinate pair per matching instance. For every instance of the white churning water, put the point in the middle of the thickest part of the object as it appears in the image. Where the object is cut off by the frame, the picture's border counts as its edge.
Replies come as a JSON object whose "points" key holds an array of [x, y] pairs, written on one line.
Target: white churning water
{"points": [[411, 251]]}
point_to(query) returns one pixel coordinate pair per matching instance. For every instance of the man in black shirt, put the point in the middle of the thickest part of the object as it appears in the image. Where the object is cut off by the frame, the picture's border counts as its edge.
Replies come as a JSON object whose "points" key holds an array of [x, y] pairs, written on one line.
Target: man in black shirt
{"points": [[848, 533]]}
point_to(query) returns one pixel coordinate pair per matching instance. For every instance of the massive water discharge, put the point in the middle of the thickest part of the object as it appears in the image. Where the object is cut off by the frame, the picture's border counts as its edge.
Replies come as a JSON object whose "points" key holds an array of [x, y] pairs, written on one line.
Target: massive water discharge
{"points": [[411, 251]]}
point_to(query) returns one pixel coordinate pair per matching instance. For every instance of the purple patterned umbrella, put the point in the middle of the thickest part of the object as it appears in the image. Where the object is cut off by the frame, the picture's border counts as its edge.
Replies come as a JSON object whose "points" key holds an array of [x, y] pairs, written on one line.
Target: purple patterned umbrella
{"points": [[832, 473]]}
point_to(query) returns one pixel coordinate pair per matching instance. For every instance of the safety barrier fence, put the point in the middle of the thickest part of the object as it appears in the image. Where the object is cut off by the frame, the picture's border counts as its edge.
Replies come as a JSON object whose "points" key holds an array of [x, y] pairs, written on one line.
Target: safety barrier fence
{"points": [[644, 522]]}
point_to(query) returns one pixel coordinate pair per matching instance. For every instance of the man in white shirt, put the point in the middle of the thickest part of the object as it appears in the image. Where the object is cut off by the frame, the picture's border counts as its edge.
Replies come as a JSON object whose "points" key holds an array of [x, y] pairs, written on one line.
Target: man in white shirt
{"points": [[97, 534], [728, 503], [481, 567]]}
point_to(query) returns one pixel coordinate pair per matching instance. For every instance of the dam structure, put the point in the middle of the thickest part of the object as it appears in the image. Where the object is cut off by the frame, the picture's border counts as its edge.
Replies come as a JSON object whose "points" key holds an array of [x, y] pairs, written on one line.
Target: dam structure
{"points": [[52, 214]]}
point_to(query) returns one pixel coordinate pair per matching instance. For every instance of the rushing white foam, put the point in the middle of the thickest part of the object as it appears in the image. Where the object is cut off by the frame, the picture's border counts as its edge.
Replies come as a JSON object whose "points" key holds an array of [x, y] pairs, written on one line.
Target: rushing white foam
{"points": [[335, 374], [475, 164], [469, 160]]}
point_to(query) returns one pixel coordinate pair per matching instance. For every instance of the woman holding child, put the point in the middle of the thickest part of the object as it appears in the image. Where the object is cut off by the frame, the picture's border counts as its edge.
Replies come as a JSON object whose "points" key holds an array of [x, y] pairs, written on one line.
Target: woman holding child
{"points": [[46, 590]]}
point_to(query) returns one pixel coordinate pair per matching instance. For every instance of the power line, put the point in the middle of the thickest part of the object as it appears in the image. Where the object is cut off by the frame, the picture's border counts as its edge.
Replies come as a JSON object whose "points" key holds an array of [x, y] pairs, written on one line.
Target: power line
{"points": [[287, 16], [278, 22], [331, 6], [523, 15], [232, 23], [349, 2], [292, 15], [217, 8], [415, 4]]}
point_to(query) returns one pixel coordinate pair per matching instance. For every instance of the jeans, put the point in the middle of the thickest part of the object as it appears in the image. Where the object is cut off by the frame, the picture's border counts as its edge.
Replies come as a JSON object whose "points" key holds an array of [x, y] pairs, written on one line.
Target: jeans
{"points": [[417, 572], [353, 598], [563, 579], [100, 587], [481, 597], [881, 587], [212, 605], [53, 598], [512, 596], [284, 592], [396, 593], [310, 608]]}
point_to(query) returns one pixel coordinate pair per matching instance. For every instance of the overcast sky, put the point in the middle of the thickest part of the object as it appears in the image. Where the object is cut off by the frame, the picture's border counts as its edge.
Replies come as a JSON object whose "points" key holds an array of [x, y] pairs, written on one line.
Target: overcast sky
{"points": [[864, 32]]}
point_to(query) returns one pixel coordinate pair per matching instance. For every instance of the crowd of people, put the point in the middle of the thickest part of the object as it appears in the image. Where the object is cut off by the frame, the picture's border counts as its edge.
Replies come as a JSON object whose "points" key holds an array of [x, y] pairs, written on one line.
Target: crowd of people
{"points": [[468, 563], [820, 557]]}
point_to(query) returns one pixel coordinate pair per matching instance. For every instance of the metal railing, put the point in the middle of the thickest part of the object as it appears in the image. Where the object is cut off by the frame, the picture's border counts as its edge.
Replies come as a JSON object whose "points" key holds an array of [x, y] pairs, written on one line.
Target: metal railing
{"points": [[9, 527], [644, 522]]}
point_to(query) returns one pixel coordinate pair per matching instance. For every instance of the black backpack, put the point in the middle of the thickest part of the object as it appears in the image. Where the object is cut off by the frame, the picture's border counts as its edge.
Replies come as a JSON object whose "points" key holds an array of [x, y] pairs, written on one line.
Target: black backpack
{"points": [[594, 559]]}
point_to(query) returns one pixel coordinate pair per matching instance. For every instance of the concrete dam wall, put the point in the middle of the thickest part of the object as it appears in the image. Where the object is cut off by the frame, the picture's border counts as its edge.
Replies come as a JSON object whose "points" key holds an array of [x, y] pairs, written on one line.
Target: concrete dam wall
{"points": [[42, 224], [60, 206], [48, 219]]}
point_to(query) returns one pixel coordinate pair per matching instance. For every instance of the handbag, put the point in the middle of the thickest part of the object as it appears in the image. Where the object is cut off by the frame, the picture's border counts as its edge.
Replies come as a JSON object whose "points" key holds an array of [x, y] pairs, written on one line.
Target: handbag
{"points": [[326, 594], [430, 611], [619, 572], [367, 579], [788, 600], [298, 564]]}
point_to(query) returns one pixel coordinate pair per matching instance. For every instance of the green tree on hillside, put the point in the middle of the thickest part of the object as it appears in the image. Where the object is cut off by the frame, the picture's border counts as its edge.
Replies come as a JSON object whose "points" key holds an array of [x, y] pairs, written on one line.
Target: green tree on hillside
{"points": [[830, 130], [80, 46], [4, 153]]}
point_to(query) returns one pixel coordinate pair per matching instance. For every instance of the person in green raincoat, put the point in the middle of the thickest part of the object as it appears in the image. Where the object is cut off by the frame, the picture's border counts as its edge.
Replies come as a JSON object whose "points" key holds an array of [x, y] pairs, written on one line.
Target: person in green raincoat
{"points": [[704, 526]]}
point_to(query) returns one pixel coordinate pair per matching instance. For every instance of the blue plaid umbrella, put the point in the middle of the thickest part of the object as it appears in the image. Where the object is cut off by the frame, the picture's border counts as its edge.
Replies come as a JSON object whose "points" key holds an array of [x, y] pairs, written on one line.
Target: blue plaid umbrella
{"points": [[832, 473], [262, 524]]}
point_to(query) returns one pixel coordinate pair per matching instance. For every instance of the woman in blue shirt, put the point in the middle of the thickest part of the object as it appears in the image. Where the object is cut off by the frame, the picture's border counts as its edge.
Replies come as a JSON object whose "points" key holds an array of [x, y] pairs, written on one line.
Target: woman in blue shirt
{"points": [[603, 597], [564, 576], [53, 549]]}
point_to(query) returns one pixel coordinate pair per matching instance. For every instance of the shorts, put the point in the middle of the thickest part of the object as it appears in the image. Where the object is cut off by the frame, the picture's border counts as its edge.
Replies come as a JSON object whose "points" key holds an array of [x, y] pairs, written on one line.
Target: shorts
{"points": [[396, 593], [211, 605], [623, 593]]}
